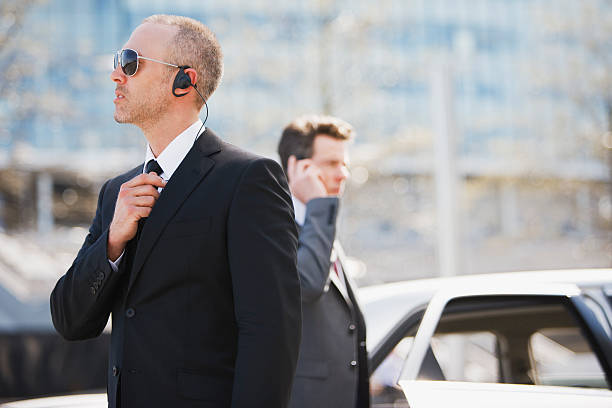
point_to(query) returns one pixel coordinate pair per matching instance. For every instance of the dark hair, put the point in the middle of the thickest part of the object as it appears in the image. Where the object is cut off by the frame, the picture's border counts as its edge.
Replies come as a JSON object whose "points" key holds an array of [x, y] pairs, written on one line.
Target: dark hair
{"points": [[298, 136]]}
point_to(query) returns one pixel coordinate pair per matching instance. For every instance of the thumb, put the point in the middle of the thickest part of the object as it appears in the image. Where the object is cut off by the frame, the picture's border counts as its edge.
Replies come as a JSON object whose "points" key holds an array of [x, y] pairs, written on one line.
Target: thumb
{"points": [[291, 167]]}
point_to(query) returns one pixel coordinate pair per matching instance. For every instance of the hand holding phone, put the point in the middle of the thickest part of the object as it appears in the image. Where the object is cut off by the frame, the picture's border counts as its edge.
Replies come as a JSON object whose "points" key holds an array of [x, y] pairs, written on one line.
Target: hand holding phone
{"points": [[305, 179]]}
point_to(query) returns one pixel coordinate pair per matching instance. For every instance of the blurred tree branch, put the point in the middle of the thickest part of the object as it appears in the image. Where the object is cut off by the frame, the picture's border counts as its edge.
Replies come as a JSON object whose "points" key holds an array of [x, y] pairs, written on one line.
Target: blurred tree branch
{"points": [[16, 67], [29, 91]]}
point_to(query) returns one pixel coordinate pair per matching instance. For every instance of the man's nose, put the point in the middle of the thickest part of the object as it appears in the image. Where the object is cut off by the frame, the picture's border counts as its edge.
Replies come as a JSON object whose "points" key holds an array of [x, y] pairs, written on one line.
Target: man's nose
{"points": [[342, 173], [117, 75]]}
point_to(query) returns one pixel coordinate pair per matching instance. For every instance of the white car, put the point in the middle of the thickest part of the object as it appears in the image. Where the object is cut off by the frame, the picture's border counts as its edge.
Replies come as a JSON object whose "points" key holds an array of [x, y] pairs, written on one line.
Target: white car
{"points": [[527, 339]]}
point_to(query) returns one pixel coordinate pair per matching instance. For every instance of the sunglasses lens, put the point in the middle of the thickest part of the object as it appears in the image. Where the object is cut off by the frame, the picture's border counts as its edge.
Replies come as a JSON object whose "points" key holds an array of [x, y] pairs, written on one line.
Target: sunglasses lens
{"points": [[129, 62]]}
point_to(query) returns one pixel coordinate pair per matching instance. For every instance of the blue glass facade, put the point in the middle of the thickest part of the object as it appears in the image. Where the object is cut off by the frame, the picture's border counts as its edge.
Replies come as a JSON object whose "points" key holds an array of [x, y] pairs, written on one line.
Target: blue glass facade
{"points": [[368, 62]]}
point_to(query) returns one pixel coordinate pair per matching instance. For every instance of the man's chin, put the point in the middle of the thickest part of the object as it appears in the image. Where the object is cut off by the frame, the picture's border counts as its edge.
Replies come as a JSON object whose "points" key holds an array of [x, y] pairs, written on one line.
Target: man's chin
{"points": [[120, 118]]}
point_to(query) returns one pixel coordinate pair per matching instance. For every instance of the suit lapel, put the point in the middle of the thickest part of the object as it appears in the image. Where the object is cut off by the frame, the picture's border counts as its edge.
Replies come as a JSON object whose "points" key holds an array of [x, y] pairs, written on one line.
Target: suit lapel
{"points": [[350, 283], [335, 279], [194, 167], [350, 286]]}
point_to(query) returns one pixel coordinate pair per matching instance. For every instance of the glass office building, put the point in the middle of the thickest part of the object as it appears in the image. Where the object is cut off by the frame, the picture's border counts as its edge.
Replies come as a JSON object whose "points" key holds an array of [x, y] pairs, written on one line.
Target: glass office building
{"points": [[529, 95], [368, 62]]}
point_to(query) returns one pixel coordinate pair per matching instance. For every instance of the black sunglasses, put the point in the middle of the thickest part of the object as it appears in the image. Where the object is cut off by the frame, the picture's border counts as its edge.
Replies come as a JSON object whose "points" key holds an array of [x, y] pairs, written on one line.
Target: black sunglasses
{"points": [[128, 59]]}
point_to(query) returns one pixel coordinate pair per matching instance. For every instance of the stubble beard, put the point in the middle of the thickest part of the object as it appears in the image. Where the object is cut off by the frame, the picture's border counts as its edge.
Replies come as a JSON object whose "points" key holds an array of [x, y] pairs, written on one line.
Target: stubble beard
{"points": [[143, 112]]}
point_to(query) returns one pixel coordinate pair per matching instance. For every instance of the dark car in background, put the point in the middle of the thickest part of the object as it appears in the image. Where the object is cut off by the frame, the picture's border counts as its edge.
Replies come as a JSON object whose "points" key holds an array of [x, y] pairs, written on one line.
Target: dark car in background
{"points": [[35, 360]]}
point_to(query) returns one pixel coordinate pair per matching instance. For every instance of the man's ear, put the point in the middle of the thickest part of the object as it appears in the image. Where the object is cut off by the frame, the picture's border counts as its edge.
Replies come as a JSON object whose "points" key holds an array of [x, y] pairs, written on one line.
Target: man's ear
{"points": [[193, 75], [183, 81]]}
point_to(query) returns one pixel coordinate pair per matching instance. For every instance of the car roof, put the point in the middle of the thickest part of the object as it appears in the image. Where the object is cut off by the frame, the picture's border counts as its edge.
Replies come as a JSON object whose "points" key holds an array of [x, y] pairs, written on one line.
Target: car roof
{"points": [[583, 278]]}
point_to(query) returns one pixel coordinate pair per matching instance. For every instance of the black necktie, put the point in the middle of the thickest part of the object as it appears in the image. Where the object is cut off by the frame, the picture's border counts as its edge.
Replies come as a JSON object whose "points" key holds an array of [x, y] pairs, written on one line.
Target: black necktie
{"points": [[153, 165]]}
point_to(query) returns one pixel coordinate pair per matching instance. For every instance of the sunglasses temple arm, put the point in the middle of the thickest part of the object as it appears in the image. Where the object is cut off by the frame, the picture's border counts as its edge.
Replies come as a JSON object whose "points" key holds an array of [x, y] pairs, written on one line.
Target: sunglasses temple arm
{"points": [[161, 62]]}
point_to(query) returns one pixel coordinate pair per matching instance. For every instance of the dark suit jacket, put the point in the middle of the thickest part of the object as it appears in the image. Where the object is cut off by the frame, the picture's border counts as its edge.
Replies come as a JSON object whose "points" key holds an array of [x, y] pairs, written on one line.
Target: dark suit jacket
{"points": [[206, 307], [332, 368]]}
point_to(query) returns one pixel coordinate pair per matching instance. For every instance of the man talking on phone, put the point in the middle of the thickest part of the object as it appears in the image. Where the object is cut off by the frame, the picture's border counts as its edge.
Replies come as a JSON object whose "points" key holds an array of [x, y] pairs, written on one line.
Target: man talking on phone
{"points": [[332, 365]]}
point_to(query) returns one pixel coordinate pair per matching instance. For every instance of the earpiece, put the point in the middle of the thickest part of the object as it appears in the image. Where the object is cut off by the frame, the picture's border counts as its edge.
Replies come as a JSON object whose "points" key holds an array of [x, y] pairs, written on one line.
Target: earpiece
{"points": [[181, 81]]}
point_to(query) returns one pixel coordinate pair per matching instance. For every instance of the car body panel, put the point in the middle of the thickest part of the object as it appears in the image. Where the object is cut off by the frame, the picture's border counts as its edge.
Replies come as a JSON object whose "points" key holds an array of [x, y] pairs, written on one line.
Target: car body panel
{"points": [[66, 401], [427, 394]]}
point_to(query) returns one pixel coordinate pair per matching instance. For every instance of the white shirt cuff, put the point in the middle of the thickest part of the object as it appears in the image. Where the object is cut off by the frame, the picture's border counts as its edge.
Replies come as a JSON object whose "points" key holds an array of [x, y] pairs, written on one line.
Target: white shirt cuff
{"points": [[115, 265]]}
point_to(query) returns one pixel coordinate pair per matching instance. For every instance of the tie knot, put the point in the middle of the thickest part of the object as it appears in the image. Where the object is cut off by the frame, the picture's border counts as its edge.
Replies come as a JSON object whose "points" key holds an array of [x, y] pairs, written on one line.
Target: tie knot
{"points": [[152, 165]]}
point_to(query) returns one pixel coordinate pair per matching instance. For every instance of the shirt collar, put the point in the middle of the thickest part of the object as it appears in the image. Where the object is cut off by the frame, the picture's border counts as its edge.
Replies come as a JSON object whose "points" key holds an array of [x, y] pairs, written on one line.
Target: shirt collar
{"points": [[300, 211], [172, 156]]}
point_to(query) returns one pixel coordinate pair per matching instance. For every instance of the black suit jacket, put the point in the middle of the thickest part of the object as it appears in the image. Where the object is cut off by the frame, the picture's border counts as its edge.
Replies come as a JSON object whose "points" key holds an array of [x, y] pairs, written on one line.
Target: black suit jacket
{"points": [[206, 305]]}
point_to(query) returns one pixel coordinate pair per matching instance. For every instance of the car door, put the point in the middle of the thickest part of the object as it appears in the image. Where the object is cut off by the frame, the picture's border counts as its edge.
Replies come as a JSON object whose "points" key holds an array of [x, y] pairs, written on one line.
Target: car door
{"points": [[509, 347]]}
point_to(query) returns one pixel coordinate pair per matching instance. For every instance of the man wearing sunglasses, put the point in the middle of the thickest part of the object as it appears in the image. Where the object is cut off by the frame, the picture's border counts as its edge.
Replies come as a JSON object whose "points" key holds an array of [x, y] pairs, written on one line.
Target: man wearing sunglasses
{"points": [[193, 252]]}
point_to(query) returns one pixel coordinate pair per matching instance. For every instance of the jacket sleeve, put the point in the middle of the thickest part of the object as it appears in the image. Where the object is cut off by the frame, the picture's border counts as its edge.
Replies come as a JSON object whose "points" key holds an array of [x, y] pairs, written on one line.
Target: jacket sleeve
{"points": [[315, 244], [82, 298], [262, 250]]}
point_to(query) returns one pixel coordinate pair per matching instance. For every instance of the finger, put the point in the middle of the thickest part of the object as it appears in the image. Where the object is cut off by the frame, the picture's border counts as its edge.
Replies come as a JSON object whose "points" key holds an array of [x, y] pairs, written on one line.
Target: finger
{"points": [[291, 167], [144, 190], [145, 178], [136, 181], [143, 201], [303, 165], [143, 212], [136, 212], [153, 179], [312, 169]]}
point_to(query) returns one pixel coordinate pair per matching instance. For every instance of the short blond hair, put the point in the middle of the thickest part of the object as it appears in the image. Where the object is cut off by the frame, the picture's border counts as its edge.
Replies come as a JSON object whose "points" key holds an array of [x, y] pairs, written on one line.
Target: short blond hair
{"points": [[196, 46]]}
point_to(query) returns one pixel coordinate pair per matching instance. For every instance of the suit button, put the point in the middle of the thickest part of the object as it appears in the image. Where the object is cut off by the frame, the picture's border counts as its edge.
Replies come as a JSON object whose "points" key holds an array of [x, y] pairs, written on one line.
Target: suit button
{"points": [[115, 371], [362, 343], [130, 313], [352, 327], [353, 364]]}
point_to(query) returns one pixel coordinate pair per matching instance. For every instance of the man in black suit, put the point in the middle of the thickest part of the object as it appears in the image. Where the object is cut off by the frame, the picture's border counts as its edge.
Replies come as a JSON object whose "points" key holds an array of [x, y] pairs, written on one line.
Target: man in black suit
{"points": [[332, 367], [196, 257]]}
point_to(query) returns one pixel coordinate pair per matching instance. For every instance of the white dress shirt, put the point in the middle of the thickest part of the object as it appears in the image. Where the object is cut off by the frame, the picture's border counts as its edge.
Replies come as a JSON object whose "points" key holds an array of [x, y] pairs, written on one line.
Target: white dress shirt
{"points": [[172, 156], [299, 208], [169, 160]]}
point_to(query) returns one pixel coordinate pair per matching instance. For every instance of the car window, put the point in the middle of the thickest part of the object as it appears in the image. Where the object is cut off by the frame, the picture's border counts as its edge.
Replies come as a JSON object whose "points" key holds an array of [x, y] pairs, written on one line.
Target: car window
{"points": [[563, 357], [517, 340], [470, 356], [383, 382], [479, 363]]}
